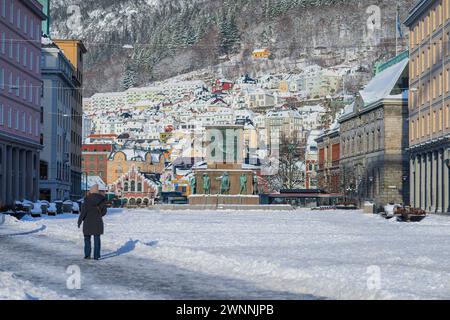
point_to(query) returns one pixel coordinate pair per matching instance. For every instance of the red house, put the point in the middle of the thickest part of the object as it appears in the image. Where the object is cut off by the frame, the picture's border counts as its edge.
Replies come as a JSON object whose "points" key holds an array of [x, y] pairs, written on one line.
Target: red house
{"points": [[94, 159], [222, 85]]}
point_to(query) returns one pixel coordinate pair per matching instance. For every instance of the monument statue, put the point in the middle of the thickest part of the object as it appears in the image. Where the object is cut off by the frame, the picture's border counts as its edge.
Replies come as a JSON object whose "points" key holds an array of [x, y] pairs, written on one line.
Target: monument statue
{"points": [[243, 181], [206, 184], [225, 186], [193, 185], [255, 184]]}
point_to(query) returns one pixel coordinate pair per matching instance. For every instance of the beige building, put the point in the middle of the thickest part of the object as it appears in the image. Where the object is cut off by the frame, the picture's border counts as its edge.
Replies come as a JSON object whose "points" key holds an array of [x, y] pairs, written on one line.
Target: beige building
{"points": [[429, 107], [283, 122], [120, 162]]}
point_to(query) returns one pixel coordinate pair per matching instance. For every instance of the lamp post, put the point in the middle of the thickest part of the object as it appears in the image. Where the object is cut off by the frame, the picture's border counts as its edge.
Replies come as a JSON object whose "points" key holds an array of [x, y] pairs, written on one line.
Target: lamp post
{"points": [[85, 183]]}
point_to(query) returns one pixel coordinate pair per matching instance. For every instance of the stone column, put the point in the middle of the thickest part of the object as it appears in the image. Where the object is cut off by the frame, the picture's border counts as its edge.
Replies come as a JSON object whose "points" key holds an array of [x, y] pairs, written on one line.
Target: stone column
{"points": [[35, 193], [423, 181], [15, 177], [9, 175], [4, 174], [440, 189], [434, 189], [29, 174], [23, 174], [412, 168], [417, 182], [428, 179], [446, 183]]}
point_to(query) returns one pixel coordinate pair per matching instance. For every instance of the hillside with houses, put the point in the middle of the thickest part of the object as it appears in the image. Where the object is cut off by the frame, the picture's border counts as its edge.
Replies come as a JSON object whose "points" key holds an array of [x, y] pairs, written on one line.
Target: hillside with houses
{"points": [[220, 36]]}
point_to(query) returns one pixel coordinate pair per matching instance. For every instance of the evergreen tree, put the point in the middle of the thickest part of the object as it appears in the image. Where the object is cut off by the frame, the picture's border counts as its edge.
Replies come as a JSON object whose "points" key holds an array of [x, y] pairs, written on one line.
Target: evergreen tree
{"points": [[129, 77], [229, 33]]}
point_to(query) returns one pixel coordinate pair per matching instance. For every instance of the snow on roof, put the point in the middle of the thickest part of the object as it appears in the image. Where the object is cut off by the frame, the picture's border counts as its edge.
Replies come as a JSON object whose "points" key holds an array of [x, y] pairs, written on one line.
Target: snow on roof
{"points": [[313, 135], [350, 108], [91, 181], [381, 86], [315, 108], [283, 113]]}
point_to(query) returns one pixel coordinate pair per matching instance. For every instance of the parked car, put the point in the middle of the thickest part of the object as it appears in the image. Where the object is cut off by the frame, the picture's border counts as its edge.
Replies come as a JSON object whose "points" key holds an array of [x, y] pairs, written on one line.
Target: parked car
{"points": [[36, 211], [27, 206], [75, 208], [67, 206], [59, 207], [18, 206], [52, 210], [44, 206], [390, 209]]}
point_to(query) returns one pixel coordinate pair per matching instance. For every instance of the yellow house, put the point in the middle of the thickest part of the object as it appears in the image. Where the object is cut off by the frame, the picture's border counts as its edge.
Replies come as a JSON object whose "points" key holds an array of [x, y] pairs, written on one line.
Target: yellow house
{"points": [[284, 86], [261, 54]]}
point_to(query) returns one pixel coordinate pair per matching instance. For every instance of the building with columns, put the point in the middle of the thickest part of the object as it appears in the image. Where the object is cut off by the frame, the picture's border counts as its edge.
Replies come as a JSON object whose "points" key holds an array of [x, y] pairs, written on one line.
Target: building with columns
{"points": [[20, 85], [374, 162], [429, 106]]}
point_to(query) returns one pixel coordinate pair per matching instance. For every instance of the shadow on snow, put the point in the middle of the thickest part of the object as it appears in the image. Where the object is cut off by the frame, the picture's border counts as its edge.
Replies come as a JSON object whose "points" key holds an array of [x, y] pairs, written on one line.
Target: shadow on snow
{"points": [[42, 228], [126, 248]]}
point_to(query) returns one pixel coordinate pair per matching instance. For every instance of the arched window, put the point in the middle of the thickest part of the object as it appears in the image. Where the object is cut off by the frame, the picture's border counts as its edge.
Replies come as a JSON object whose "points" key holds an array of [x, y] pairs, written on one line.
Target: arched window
{"points": [[139, 187], [125, 188], [133, 186]]}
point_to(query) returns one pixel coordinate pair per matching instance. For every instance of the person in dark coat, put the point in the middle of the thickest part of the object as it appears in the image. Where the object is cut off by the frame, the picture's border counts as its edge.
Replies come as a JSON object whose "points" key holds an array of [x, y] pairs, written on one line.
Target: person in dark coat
{"points": [[91, 216]]}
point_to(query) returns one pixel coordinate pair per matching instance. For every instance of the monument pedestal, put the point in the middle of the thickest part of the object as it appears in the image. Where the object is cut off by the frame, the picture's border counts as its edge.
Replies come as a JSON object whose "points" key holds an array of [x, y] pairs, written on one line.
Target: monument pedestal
{"points": [[202, 199]]}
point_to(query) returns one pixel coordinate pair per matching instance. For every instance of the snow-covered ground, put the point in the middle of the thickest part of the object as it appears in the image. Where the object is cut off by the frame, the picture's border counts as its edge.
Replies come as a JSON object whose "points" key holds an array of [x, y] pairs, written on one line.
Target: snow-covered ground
{"points": [[229, 255]]}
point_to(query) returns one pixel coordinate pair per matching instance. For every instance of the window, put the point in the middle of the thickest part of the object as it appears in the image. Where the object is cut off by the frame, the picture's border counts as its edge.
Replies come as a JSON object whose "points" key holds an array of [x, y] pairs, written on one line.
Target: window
{"points": [[10, 118], [11, 11], [18, 18], [18, 52], [2, 78], [3, 8], [3, 42], [17, 120], [24, 122], [24, 90], [1, 115], [25, 56], [30, 124]]}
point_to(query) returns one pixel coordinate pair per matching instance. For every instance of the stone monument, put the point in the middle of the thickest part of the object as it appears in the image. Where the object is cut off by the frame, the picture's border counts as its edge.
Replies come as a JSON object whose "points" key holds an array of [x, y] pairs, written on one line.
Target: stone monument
{"points": [[225, 181]]}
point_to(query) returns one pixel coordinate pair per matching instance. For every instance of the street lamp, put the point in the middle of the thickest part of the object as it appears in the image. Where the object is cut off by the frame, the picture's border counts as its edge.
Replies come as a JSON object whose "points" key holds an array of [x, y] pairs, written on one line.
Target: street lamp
{"points": [[85, 183]]}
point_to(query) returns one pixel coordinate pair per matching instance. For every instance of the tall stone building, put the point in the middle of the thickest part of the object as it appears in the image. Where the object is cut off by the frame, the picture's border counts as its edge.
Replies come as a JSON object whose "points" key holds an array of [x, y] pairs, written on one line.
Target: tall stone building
{"points": [[20, 85], [429, 107], [374, 138], [74, 51], [57, 103]]}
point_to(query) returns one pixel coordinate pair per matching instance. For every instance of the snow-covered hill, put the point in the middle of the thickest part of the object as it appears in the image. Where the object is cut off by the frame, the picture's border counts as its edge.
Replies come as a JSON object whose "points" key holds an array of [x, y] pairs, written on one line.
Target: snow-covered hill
{"points": [[172, 37]]}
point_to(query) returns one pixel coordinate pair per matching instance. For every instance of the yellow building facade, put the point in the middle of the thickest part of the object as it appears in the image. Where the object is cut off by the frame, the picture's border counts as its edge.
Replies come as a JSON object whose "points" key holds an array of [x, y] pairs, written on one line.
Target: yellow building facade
{"points": [[429, 107], [120, 162]]}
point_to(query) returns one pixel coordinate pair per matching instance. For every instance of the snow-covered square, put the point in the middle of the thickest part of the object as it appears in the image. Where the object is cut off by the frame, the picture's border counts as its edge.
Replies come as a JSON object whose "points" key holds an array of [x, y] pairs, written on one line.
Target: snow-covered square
{"points": [[151, 254]]}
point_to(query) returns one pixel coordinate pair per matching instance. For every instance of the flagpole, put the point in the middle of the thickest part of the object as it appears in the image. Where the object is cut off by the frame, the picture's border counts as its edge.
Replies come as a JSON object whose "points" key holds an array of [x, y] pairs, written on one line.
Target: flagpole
{"points": [[396, 33]]}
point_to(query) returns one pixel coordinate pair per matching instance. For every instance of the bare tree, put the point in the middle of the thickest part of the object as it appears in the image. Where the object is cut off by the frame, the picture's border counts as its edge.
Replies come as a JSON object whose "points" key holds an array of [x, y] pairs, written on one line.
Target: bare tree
{"points": [[290, 173]]}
